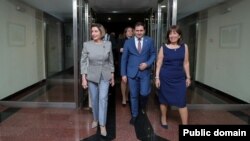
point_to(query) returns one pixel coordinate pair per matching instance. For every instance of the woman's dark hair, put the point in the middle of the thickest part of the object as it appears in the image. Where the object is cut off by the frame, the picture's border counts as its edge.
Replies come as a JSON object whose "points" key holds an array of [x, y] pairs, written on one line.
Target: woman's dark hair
{"points": [[100, 28], [174, 28]]}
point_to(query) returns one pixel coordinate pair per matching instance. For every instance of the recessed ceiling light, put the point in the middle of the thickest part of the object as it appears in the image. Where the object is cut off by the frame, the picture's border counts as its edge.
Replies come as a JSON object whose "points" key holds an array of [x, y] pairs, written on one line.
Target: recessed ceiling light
{"points": [[109, 18], [129, 19], [163, 6]]}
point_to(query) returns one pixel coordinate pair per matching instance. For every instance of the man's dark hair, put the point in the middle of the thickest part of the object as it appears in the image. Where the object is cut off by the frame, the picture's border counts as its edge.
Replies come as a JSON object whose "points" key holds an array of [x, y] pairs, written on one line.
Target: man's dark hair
{"points": [[140, 24]]}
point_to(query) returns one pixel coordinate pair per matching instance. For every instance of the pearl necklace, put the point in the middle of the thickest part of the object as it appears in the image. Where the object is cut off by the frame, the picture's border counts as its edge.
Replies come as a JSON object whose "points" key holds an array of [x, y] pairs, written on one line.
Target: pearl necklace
{"points": [[175, 48]]}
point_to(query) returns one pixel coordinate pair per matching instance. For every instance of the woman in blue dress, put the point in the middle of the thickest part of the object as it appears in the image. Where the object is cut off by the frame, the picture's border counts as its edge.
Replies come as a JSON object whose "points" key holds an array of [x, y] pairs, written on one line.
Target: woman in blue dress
{"points": [[172, 75]]}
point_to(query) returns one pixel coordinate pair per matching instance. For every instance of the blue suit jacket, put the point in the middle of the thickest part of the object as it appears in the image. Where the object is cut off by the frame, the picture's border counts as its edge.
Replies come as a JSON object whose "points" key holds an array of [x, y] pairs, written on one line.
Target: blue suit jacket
{"points": [[131, 58]]}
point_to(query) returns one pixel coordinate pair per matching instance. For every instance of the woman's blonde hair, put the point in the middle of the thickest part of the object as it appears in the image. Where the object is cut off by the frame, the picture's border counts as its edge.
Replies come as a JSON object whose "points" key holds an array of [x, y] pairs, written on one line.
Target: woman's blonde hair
{"points": [[100, 28]]}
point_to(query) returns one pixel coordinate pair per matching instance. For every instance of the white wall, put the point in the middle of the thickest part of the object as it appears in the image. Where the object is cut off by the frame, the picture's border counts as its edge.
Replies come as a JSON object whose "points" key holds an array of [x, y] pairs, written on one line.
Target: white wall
{"points": [[21, 57], [225, 68]]}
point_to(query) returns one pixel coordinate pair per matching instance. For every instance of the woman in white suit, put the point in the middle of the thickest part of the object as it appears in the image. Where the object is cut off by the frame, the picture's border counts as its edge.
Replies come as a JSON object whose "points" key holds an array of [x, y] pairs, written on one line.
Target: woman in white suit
{"points": [[97, 69]]}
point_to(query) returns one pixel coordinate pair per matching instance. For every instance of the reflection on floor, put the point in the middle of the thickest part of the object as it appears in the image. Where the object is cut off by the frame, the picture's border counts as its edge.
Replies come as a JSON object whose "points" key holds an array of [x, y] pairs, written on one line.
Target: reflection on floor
{"points": [[59, 88], [58, 124]]}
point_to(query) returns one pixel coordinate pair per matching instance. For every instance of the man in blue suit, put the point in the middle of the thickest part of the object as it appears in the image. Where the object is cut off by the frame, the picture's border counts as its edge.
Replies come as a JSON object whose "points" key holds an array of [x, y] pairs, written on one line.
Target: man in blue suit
{"points": [[137, 59]]}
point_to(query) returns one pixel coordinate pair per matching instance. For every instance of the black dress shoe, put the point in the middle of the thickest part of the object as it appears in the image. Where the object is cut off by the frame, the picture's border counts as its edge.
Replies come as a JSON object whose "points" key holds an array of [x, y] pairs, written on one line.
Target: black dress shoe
{"points": [[103, 137], [132, 120], [164, 126], [123, 105], [143, 111]]}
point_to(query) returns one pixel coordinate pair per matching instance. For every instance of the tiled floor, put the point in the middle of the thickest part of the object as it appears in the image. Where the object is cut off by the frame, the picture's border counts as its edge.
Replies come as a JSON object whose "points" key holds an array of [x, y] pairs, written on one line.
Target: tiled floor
{"points": [[42, 124], [59, 124]]}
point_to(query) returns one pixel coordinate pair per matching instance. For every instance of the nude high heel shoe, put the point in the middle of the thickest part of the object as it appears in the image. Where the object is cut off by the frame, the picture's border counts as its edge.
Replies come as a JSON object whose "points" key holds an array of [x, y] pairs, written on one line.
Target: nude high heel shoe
{"points": [[94, 124], [103, 131]]}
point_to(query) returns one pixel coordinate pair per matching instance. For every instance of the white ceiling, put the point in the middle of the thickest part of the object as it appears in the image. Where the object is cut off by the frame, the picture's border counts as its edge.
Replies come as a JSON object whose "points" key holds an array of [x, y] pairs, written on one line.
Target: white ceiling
{"points": [[63, 8], [187, 7], [122, 6]]}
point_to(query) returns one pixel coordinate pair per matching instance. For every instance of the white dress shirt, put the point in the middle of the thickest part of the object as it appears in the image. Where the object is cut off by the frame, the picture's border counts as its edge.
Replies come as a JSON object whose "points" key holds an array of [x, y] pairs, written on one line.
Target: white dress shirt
{"points": [[136, 42]]}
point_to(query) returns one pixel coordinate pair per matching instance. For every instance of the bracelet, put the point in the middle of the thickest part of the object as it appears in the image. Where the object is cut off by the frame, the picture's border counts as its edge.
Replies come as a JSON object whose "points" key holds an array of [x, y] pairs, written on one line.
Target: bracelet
{"points": [[188, 78], [156, 77]]}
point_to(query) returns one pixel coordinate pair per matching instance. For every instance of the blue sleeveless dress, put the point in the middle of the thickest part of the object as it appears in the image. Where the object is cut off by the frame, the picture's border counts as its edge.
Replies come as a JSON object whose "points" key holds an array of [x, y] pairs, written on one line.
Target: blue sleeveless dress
{"points": [[172, 89]]}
